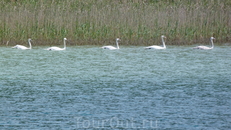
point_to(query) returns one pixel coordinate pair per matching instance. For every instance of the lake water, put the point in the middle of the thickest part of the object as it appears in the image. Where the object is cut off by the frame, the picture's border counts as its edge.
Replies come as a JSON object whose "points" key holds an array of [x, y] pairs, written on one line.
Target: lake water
{"points": [[86, 87]]}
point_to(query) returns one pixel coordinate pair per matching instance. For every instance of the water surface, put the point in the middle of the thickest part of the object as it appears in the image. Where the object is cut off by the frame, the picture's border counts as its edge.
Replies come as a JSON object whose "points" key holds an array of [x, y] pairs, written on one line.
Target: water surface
{"points": [[131, 88]]}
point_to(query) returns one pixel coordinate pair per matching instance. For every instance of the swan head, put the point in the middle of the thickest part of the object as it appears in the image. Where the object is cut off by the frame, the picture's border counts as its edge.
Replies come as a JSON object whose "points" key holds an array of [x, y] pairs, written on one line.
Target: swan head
{"points": [[29, 39], [64, 38], [163, 36], [117, 39], [212, 38]]}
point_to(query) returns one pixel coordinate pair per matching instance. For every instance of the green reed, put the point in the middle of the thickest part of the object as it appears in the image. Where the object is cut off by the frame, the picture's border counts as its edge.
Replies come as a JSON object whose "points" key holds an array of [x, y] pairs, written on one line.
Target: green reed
{"points": [[136, 22]]}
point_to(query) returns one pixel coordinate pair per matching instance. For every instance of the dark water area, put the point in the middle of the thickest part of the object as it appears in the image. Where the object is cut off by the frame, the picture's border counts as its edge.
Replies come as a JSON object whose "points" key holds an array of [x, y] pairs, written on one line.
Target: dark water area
{"points": [[86, 87]]}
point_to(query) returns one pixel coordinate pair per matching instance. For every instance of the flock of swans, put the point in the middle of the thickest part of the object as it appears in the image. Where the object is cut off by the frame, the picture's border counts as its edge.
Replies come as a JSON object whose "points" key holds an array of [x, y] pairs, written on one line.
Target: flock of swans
{"points": [[49, 49], [111, 47]]}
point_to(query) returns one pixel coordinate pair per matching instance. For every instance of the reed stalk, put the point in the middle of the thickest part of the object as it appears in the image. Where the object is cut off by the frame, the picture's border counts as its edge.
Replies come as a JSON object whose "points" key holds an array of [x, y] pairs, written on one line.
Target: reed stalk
{"points": [[98, 22]]}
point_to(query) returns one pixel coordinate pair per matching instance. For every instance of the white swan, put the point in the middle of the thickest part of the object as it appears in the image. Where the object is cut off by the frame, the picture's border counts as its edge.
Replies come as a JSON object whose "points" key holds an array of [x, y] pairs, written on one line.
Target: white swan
{"points": [[158, 47], [23, 47], [205, 47], [111, 47], [57, 48]]}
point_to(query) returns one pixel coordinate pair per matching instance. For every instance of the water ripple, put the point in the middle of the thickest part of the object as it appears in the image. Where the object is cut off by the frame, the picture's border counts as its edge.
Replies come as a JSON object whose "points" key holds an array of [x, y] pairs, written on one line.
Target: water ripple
{"points": [[131, 88]]}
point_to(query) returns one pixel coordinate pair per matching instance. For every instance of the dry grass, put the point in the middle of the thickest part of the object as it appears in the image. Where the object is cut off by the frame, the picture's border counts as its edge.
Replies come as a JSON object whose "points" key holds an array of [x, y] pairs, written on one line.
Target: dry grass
{"points": [[97, 22]]}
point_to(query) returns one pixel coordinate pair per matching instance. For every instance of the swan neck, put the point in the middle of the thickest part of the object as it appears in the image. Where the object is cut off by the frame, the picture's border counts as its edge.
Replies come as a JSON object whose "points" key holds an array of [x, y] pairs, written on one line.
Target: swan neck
{"points": [[64, 42], [212, 43], [117, 44], [163, 42], [29, 44]]}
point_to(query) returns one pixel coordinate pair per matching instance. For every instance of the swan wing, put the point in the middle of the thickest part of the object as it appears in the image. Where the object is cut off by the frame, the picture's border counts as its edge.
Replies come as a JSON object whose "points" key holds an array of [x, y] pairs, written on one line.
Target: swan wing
{"points": [[20, 47], [154, 47], [54, 49], [202, 47], [109, 47]]}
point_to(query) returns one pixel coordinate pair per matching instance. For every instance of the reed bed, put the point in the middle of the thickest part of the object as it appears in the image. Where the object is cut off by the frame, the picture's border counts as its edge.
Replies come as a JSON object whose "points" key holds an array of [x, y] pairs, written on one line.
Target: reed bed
{"points": [[98, 22]]}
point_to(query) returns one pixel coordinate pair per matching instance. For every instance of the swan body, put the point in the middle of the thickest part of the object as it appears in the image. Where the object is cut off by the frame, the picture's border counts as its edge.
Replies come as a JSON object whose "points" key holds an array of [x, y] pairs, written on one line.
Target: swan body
{"points": [[158, 47], [23, 47], [205, 47], [155, 47], [57, 48], [111, 47]]}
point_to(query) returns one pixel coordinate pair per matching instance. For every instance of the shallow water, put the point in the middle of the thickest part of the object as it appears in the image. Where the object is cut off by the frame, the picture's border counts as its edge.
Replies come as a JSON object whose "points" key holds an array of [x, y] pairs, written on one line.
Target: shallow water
{"points": [[131, 88]]}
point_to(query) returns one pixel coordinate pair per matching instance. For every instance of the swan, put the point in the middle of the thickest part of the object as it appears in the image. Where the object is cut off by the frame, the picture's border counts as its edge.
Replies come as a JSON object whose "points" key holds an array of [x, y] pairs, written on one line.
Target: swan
{"points": [[23, 47], [57, 48], [158, 47], [205, 47], [111, 47]]}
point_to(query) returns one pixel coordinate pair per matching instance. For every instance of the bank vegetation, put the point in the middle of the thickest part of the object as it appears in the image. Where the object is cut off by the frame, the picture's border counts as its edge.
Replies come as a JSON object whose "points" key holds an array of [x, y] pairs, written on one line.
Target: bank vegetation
{"points": [[98, 22]]}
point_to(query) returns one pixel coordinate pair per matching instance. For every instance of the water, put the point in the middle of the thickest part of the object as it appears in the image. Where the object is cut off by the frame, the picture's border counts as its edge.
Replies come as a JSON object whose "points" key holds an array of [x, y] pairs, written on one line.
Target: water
{"points": [[131, 88]]}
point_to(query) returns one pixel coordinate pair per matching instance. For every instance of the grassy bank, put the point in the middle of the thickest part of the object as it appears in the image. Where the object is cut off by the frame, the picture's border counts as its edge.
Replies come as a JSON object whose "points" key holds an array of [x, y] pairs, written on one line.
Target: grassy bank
{"points": [[97, 22]]}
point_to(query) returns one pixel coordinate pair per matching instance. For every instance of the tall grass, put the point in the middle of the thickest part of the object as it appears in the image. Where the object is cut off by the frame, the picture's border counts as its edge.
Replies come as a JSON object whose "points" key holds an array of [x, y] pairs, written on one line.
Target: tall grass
{"points": [[97, 22]]}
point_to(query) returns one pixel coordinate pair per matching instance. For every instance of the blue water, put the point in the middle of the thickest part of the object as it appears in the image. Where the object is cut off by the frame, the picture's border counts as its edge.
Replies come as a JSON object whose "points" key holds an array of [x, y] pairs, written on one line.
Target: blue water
{"points": [[86, 87]]}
